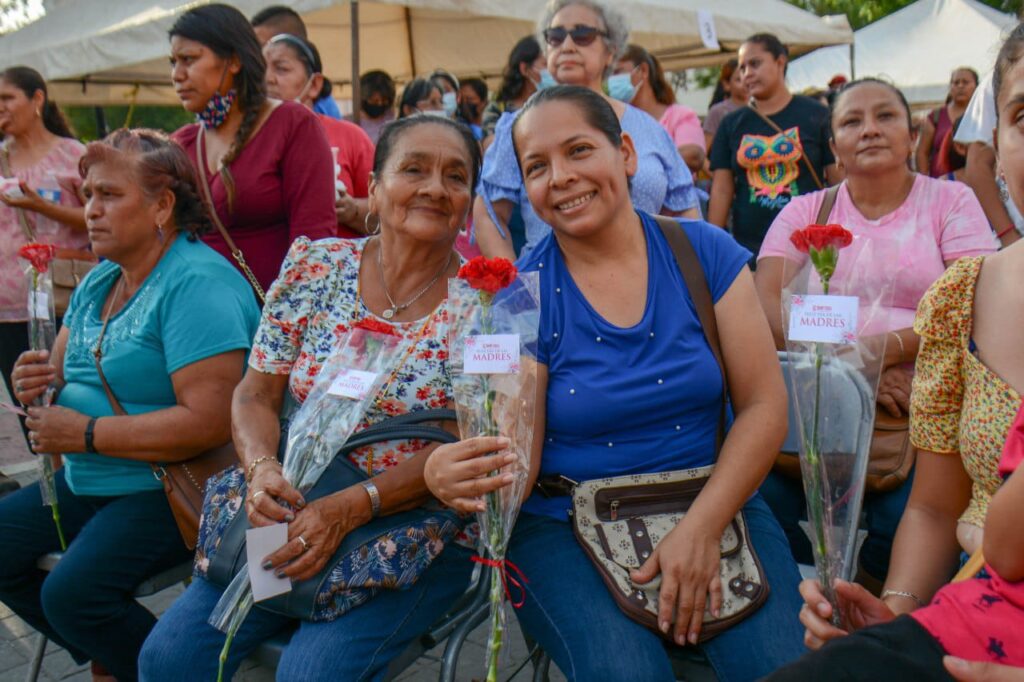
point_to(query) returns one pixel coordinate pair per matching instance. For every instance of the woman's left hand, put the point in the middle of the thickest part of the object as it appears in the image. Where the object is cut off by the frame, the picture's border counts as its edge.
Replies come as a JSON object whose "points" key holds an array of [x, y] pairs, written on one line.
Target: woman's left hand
{"points": [[688, 561], [894, 390], [31, 201], [56, 430], [321, 525]]}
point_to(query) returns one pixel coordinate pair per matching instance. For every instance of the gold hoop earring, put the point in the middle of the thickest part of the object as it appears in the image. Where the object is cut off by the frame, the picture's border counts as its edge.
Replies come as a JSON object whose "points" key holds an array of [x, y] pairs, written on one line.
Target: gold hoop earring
{"points": [[366, 224]]}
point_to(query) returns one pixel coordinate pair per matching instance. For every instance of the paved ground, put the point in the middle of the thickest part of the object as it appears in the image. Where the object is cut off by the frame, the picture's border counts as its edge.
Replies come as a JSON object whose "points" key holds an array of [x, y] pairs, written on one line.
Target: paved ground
{"points": [[18, 640]]}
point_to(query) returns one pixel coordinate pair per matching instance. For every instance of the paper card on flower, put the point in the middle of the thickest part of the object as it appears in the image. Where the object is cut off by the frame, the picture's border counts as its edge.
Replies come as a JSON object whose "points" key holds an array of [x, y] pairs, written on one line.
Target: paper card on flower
{"points": [[259, 544], [823, 319], [352, 383], [40, 304], [491, 354]]}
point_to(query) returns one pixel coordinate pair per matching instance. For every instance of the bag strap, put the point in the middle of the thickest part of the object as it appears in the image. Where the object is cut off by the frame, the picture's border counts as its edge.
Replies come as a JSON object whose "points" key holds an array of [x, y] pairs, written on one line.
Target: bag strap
{"points": [[696, 282], [5, 166], [204, 185], [97, 355], [826, 204], [803, 157]]}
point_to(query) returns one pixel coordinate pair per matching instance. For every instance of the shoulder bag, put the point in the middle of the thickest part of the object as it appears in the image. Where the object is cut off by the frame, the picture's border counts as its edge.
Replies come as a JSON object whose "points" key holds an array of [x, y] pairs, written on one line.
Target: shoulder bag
{"points": [[892, 455], [803, 157], [70, 265], [362, 564], [619, 521], [184, 481]]}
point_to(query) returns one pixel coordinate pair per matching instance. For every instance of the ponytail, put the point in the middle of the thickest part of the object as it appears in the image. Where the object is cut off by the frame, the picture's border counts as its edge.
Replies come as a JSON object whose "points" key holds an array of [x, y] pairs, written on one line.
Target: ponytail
{"points": [[54, 120]]}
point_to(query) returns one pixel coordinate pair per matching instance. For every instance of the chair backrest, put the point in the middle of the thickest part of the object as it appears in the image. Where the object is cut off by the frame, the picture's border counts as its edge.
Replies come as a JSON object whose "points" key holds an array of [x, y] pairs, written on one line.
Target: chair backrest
{"points": [[849, 396]]}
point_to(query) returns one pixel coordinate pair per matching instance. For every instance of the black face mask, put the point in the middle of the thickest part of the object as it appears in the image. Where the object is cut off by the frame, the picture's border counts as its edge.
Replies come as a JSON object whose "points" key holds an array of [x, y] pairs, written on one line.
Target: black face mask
{"points": [[375, 110]]}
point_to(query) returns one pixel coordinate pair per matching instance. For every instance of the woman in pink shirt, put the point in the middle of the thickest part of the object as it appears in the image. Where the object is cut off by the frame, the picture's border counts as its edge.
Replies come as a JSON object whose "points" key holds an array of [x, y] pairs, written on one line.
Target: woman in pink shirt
{"points": [[890, 209], [643, 85], [268, 163]]}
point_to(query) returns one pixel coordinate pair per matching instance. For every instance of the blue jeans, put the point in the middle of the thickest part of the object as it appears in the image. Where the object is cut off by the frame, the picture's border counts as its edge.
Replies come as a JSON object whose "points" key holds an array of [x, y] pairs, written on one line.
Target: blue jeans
{"points": [[570, 612], [357, 646], [85, 604], [882, 514]]}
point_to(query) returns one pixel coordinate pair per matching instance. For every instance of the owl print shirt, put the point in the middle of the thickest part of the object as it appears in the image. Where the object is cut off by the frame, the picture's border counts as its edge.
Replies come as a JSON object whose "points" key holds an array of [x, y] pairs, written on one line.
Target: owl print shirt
{"points": [[766, 165]]}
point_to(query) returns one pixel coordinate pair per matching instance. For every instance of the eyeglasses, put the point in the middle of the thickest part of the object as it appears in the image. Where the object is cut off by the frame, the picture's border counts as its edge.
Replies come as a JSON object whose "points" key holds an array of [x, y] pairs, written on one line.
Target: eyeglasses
{"points": [[581, 35]]}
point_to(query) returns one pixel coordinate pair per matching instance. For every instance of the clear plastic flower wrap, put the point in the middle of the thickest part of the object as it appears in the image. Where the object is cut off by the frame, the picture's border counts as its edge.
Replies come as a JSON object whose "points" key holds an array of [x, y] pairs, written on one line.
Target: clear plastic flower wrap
{"points": [[42, 332], [836, 333], [495, 317], [348, 383]]}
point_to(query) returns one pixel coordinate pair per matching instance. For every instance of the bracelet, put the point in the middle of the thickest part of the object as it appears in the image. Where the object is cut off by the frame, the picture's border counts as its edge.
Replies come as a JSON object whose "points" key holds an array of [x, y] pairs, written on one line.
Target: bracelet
{"points": [[251, 470], [89, 434], [902, 593], [999, 235], [903, 350], [374, 494]]}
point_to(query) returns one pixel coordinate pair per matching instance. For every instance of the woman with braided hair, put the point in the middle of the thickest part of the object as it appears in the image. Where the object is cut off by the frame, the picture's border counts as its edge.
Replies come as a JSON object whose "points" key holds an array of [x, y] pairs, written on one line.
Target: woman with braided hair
{"points": [[265, 165]]}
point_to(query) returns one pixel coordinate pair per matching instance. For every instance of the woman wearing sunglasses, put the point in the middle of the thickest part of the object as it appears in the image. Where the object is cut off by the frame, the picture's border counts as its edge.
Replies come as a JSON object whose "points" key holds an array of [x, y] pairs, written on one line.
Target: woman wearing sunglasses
{"points": [[583, 40]]}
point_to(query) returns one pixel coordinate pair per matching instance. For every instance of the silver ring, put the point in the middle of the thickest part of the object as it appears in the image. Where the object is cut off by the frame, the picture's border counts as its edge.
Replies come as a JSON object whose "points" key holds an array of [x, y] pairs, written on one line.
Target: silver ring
{"points": [[305, 545], [257, 494]]}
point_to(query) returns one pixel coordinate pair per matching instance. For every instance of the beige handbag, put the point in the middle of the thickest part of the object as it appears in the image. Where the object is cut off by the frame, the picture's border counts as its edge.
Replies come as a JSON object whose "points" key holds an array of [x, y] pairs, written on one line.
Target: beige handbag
{"points": [[619, 521]]}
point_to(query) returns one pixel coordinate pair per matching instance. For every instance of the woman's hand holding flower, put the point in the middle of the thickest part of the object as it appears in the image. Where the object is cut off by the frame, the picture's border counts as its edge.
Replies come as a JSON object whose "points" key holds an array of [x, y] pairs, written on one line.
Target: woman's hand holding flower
{"points": [[457, 474], [265, 493], [859, 607], [56, 430], [32, 375]]}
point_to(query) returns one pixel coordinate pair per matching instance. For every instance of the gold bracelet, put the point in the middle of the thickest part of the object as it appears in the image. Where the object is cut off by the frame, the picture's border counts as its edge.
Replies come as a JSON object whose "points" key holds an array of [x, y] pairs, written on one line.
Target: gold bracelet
{"points": [[903, 350], [902, 593], [251, 470]]}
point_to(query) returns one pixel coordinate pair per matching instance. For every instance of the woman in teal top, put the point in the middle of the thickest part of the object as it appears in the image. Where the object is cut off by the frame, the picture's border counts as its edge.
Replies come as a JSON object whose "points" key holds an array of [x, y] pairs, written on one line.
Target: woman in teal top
{"points": [[179, 322]]}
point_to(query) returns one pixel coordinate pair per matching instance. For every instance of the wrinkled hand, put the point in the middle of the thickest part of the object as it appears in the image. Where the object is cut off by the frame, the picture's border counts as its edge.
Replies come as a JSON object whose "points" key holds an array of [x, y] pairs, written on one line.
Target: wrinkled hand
{"points": [[347, 211], [56, 430], [975, 671], [894, 390], [32, 376], [322, 524], [265, 508], [688, 561], [456, 473], [30, 202], [859, 608]]}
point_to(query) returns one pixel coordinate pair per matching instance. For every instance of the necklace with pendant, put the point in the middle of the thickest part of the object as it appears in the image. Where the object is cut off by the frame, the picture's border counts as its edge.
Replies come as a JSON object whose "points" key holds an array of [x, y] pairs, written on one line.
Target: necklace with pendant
{"points": [[399, 307]]}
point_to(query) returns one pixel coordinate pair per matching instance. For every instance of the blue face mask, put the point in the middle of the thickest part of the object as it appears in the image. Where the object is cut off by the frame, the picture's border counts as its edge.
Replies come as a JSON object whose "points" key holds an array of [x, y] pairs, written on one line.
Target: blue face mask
{"points": [[620, 87], [546, 80], [450, 105]]}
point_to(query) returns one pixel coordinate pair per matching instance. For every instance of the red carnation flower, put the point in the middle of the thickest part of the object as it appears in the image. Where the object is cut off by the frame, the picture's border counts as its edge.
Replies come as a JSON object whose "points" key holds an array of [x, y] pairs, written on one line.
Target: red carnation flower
{"points": [[488, 274], [820, 237], [38, 255], [372, 325]]}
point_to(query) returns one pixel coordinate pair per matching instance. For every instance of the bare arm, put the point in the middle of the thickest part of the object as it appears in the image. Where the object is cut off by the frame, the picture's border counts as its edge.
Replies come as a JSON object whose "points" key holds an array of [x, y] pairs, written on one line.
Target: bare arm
{"points": [[492, 244], [1004, 535], [980, 175], [924, 146], [926, 552], [723, 190], [693, 156], [768, 282], [73, 216]]}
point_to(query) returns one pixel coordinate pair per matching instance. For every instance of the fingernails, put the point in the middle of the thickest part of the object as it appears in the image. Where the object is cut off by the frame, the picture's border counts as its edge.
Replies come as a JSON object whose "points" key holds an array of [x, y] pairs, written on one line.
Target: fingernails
{"points": [[823, 609], [958, 663], [289, 518], [504, 442], [267, 565], [664, 626], [681, 640], [508, 478], [301, 503], [279, 573], [717, 613], [693, 638], [510, 457]]}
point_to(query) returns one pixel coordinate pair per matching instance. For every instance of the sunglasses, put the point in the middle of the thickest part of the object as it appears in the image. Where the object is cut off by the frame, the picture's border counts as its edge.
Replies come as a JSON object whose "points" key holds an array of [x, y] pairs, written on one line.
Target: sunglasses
{"points": [[581, 35]]}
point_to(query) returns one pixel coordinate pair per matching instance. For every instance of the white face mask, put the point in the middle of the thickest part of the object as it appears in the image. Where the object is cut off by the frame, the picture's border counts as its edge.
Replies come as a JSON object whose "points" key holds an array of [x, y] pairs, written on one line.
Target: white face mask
{"points": [[305, 89], [433, 112], [450, 103]]}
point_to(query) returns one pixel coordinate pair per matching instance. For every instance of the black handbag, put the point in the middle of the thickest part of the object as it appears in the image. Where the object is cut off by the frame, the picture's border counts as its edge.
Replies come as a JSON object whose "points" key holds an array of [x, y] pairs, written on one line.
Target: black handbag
{"points": [[304, 601]]}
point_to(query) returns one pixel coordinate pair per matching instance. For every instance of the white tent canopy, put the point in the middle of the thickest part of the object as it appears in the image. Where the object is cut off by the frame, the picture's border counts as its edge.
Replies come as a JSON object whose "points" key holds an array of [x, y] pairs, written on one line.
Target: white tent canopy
{"points": [[916, 48], [102, 49]]}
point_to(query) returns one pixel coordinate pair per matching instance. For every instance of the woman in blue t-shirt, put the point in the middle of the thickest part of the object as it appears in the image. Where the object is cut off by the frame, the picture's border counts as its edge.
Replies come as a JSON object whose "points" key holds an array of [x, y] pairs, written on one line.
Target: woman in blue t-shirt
{"points": [[631, 386], [174, 321]]}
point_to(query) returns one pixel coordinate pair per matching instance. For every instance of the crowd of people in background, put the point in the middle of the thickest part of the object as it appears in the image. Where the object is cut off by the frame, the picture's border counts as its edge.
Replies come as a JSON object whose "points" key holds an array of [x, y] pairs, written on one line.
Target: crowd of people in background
{"points": [[229, 257]]}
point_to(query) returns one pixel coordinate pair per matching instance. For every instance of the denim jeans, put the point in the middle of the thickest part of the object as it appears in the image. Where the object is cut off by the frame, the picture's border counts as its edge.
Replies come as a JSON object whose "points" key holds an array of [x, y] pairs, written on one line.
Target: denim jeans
{"points": [[570, 612], [85, 604], [882, 514], [357, 646]]}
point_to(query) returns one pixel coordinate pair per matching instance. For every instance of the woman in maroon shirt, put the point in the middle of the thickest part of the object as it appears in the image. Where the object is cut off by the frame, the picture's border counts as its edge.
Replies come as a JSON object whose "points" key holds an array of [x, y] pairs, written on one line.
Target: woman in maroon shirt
{"points": [[268, 163]]}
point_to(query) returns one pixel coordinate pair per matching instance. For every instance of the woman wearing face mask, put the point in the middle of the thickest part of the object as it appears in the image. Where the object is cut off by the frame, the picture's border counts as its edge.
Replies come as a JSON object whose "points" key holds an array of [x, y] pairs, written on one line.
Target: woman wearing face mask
{"points": [[768, 152], [451, 98], [735, 96], [377, 89], [519, 80], [266, 163], [473, 96], [422, 96], [584, 38], [294, 73], [639, 80]]}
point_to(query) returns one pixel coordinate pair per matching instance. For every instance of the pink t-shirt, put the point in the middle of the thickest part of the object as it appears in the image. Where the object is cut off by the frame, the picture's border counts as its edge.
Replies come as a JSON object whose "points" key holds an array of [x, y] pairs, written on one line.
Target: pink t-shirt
{"points": [[980, 619], [682, 125], [57, 171], [940, 221]]}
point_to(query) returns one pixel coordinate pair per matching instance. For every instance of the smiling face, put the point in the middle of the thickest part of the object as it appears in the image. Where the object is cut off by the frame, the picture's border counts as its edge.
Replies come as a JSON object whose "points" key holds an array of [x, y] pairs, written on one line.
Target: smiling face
{"points": [[197, 73], [761, 73], [120, 217], [572, 64], [423, 192], [871, 132], [576, 179], [287, 78], [18, 110], [1009, 136]]}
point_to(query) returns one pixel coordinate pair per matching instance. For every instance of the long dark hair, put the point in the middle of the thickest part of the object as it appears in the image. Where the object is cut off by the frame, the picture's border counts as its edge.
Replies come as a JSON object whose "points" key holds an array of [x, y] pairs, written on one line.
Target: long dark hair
{"points": [[227, 32], [526, 51], [30, 82], [662, 90]]}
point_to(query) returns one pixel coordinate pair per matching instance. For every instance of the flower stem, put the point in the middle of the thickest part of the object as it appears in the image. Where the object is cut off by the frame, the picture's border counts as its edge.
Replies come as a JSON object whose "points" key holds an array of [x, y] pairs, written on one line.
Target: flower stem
{"points": [[60, 531]]}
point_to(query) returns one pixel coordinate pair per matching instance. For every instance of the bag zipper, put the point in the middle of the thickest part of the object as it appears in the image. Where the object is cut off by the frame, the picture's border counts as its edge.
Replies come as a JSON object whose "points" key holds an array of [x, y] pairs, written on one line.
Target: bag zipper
{"points": [[656, 498]]}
